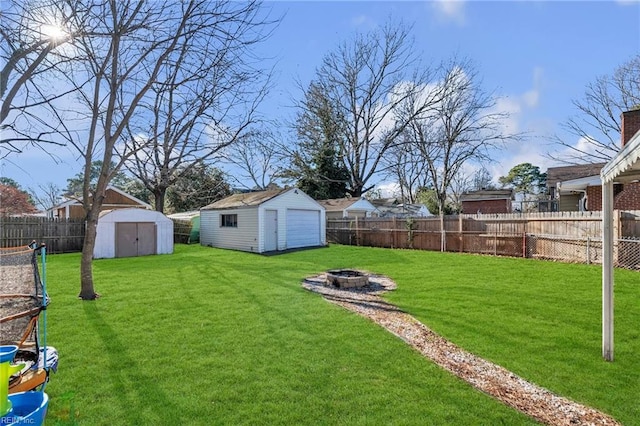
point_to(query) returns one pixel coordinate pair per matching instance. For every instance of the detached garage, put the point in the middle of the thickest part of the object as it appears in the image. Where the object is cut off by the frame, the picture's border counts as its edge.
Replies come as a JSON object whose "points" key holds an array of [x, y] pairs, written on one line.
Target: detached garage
{"points": [[263, 221], [133, 232]]}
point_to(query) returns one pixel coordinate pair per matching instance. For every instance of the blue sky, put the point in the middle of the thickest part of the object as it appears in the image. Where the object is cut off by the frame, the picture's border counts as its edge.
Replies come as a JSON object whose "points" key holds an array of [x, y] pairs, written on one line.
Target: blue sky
{"points": [[537, 56]]}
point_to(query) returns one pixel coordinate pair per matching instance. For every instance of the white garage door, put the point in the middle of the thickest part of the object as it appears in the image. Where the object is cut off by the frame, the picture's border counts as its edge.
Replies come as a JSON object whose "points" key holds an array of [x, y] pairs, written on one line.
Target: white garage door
{"points": [[303, 228]]}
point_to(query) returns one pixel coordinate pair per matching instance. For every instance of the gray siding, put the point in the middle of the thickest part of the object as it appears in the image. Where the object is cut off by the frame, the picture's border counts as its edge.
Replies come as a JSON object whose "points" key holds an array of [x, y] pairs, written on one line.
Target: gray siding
{"points": [[569, 203], [244, 237], [249, 235]]}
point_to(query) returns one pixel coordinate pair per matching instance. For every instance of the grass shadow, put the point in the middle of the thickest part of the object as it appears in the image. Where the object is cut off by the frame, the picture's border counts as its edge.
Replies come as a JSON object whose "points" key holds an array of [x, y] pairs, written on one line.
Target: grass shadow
{"points": [[136, 391]]}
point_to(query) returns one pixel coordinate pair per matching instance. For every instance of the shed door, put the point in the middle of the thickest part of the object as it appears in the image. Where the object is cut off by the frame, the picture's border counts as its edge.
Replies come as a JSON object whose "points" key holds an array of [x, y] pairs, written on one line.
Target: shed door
{"points": [[135, 239], [303, 228], [270, 230]]}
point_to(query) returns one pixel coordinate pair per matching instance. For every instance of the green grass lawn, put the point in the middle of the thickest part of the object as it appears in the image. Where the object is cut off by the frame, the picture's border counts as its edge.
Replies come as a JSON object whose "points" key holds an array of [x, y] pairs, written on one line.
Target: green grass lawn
{"points": [[208, 336]]}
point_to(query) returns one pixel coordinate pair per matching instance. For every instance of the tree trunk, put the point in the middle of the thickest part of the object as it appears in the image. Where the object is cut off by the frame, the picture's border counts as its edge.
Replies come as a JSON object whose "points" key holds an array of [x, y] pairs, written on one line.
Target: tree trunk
{"points": [[159, 197], [86, 265], [356, 192]]}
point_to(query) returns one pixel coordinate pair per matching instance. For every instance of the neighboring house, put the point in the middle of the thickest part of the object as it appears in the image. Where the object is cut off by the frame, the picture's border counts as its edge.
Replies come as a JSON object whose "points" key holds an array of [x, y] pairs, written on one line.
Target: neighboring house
{"points": [[583, 191], [487, 201], [114, 199], [393, 207], [133, 232], [566, 185], [264, 221], [339, 208]]}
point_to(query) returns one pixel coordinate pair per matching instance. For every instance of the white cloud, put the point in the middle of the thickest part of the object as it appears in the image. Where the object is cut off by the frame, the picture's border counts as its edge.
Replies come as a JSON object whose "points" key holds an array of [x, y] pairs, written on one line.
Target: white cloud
{"points": [[450, 10], [363, 21], [532, 150], [512, 107], [583, 147], [531, 98], [388, 189]]}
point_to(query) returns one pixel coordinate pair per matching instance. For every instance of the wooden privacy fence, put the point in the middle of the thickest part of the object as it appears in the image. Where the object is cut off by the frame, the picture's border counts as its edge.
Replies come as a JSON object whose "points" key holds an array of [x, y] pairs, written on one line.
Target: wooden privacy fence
{"points": [[181, 231], [60, 235], [564, 236]]}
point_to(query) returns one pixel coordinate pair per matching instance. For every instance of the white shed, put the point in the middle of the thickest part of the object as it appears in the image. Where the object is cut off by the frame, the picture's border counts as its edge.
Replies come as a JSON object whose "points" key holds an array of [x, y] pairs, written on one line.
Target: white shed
{"points": [[264, 221], [133, 232]]}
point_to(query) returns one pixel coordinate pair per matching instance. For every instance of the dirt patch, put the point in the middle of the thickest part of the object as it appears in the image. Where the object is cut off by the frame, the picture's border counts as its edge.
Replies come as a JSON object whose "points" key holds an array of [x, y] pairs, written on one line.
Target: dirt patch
{"points": [[524, 396]]}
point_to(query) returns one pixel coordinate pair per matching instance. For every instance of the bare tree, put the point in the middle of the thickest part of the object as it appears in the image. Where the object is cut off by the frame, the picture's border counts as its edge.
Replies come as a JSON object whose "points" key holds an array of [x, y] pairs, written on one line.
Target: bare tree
{"points": [[482, 179], [597, 124], [34, 47], [123, 57], [257, 160], [47, 195], [462, 127], [366, 81], [406, 168], [204, 99]]}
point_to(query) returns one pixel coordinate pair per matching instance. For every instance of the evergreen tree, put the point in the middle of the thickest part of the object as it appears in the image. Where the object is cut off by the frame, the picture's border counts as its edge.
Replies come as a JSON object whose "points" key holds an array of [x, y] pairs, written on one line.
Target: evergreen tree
{"points": [[525, 179], [316, 165], [199, 186]]}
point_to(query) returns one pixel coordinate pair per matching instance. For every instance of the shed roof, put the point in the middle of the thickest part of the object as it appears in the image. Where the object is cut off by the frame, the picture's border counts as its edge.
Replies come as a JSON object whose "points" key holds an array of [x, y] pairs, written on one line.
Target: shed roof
{"points": [[134, 213], [184, 215], [386, 202], [487, 194], [247, 199], [339, 204]]}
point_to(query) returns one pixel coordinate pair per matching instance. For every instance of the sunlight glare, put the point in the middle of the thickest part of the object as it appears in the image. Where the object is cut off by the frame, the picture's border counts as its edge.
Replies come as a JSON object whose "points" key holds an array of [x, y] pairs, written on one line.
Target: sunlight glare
{"points": [[54, 32]]}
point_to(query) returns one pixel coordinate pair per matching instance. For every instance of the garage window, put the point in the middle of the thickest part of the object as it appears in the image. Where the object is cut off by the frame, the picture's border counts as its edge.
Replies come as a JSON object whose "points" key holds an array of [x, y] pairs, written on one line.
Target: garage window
{"points": [[229, 221]]}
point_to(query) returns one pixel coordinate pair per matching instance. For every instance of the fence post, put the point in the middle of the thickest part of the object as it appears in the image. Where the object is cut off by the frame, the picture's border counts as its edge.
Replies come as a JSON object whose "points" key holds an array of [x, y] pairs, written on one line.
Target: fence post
{"points": [[394, 237], [357, 233], [588, 250], [524, 244], [461, 234], [443, 237]]}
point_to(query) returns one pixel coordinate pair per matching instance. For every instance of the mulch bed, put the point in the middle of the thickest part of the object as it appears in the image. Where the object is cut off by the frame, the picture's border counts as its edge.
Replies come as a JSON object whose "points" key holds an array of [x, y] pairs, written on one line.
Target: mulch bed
{"points": [[524, 396]]}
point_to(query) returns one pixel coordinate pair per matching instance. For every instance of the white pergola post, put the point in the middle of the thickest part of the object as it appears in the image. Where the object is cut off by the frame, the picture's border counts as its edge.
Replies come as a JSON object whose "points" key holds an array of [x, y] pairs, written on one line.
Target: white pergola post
{"points": [[607, 270], [623, 168]]}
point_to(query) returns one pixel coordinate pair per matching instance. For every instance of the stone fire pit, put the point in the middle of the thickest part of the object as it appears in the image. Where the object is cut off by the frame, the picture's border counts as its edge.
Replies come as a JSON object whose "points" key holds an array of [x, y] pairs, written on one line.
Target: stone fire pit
{"points": [[347, 278]]}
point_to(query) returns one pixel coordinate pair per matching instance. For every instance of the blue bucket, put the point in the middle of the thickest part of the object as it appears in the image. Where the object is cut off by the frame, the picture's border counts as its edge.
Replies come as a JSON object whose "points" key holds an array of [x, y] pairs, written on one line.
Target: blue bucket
{"points": [[7, 353], [28, 408]]}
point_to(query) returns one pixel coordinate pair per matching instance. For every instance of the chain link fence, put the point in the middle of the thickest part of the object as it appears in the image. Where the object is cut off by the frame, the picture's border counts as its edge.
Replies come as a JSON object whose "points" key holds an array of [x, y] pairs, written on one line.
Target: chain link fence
{"points": [[561, 248], [626, 251]]}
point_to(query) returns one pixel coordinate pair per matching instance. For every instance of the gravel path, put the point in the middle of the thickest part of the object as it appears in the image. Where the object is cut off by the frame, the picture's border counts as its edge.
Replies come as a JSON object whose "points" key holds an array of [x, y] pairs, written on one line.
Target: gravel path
{"points": [[490, 378]]}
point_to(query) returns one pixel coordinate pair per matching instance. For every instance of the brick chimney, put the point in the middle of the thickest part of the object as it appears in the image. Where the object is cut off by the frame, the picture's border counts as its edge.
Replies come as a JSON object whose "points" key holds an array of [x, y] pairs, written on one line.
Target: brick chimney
{"points": [[630, 124]]}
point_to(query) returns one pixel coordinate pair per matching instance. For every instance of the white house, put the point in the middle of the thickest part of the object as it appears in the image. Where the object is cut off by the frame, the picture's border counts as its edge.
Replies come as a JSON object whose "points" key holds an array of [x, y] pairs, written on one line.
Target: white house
{"points": [[264, 221], [337, 208], [133, 232], [394, 207]]}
